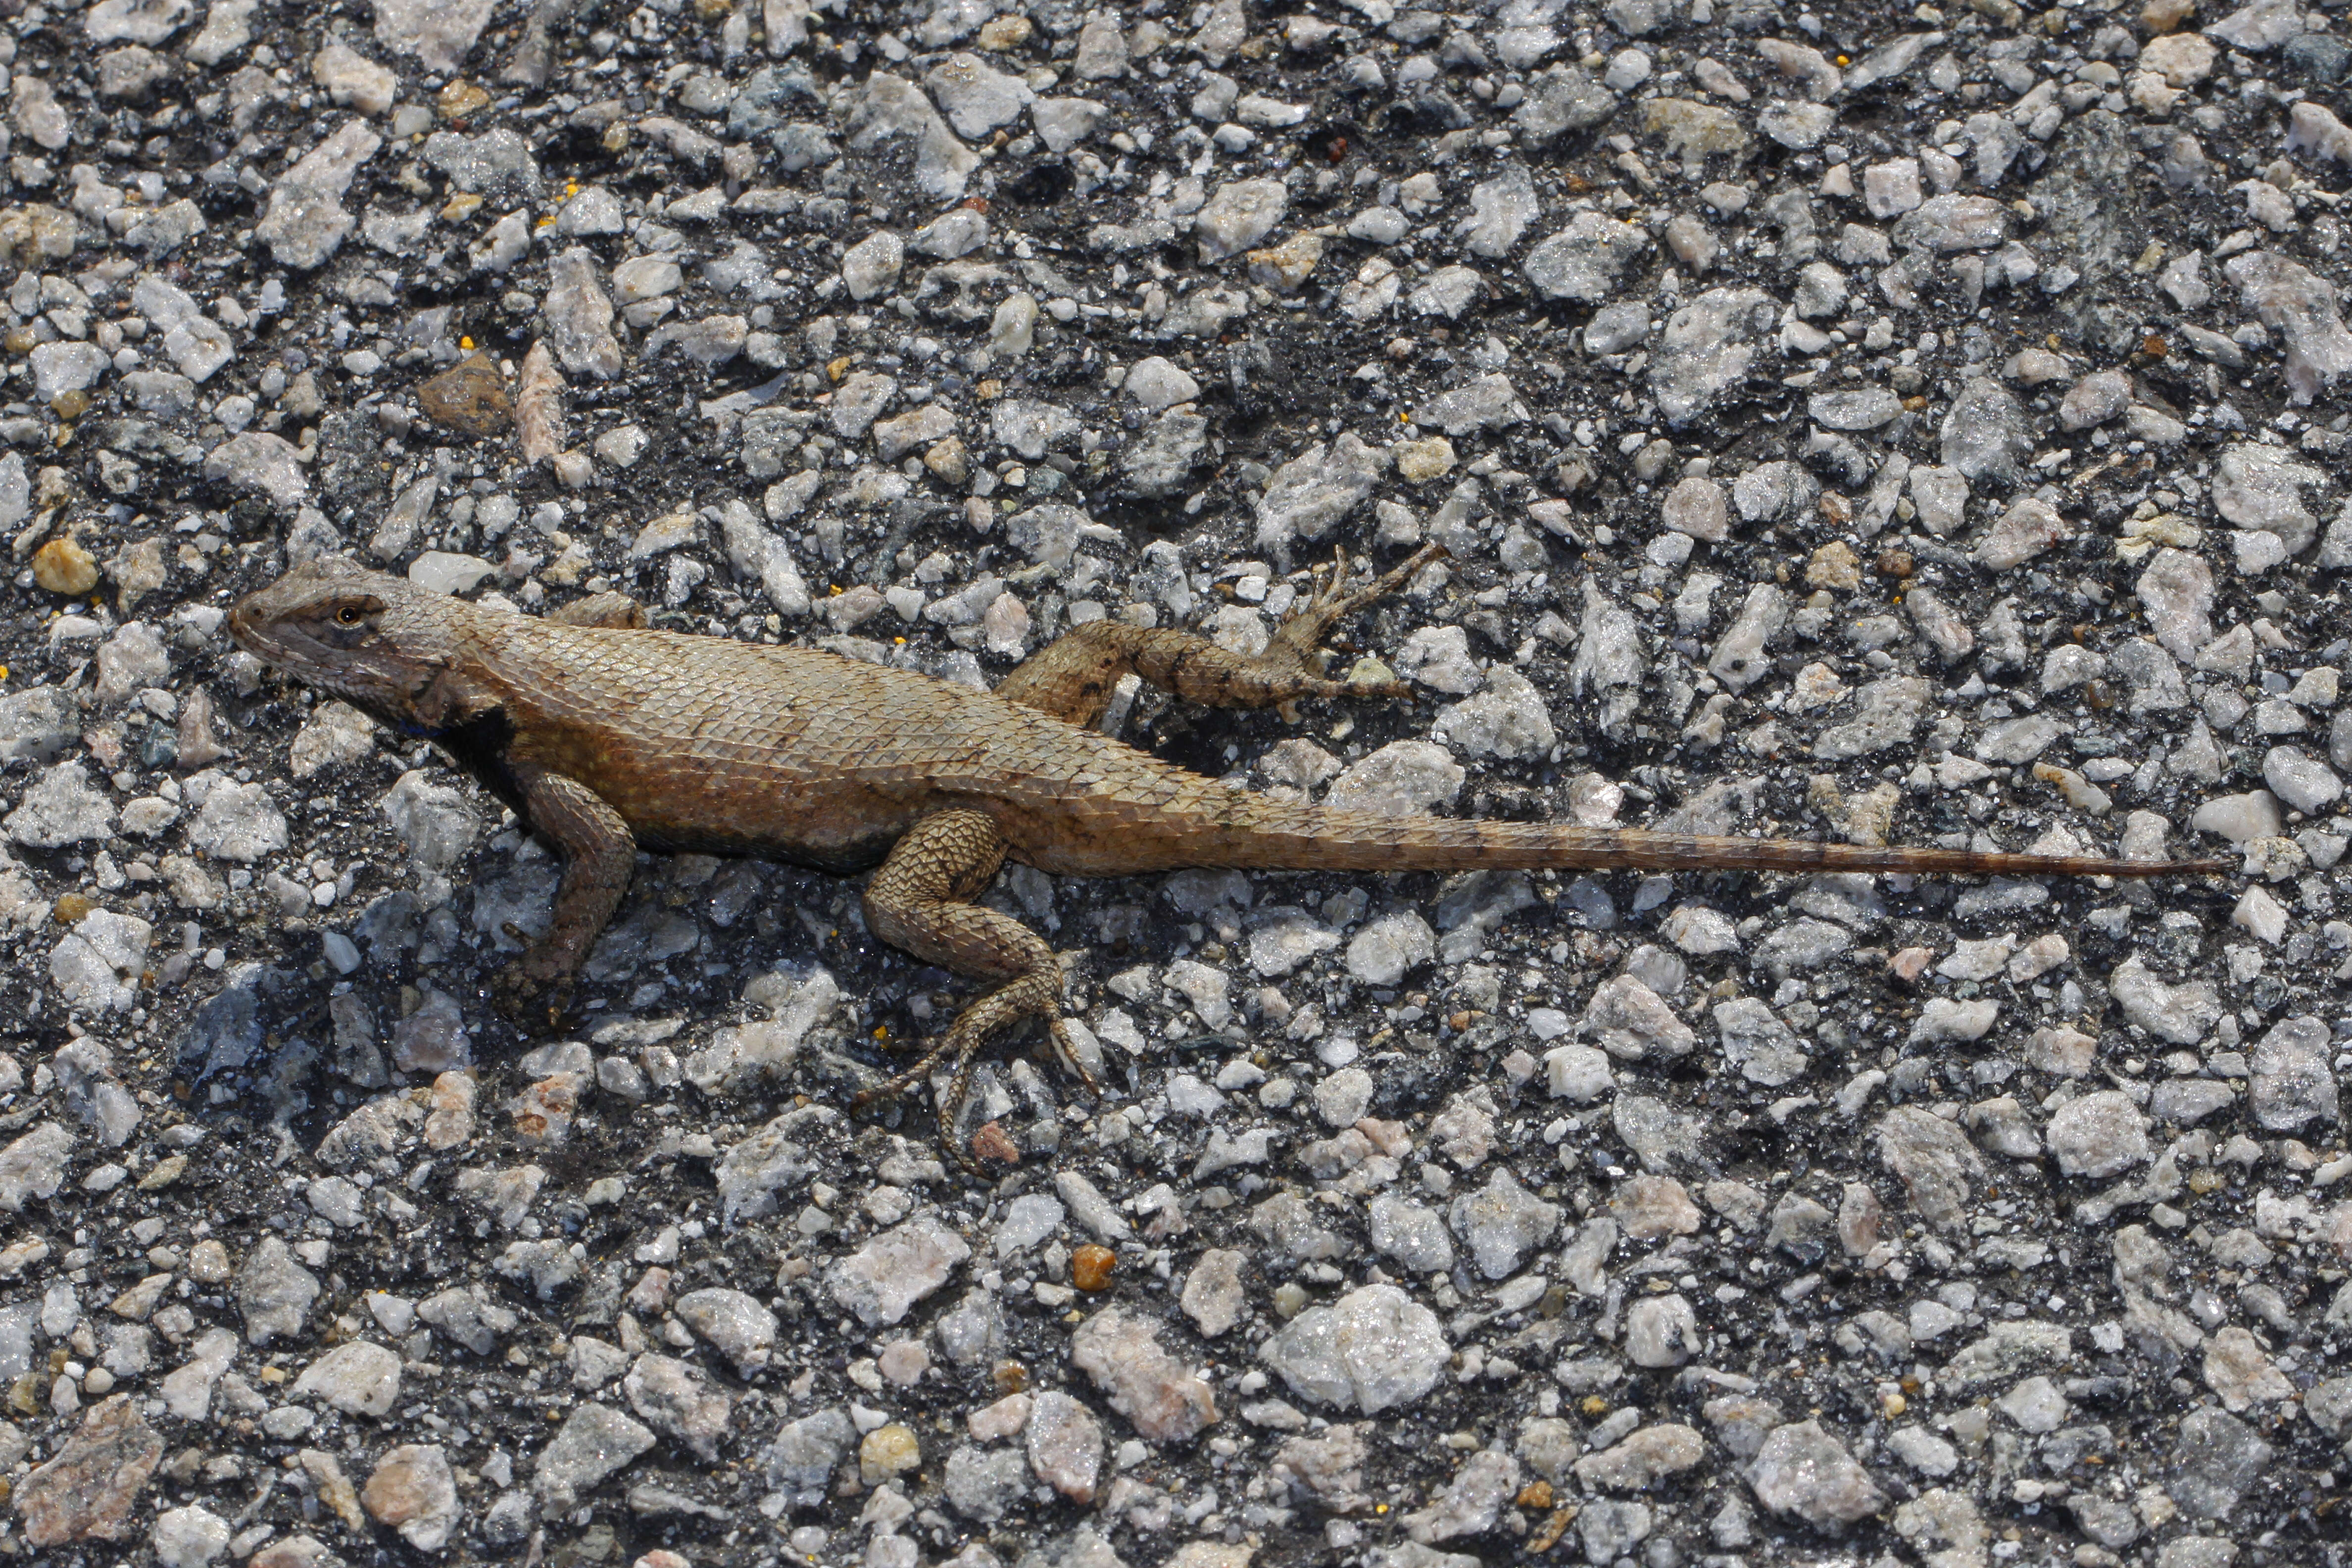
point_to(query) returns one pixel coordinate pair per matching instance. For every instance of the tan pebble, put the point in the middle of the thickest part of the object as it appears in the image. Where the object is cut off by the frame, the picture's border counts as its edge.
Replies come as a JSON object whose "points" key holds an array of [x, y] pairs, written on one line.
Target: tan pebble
{"points": [[1835, 565], [1002, 32], [887, 1452], [1418, 462], [461, 99], [63, 566]]}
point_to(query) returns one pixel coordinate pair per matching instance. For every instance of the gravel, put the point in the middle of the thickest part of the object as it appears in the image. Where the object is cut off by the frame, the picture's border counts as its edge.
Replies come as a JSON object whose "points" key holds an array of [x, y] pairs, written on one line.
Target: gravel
{"points": [[1918, 428]]}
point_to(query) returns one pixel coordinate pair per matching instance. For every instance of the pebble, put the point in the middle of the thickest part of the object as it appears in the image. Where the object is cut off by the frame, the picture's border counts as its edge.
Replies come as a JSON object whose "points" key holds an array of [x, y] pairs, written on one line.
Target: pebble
{"points": [[1384, 952], [1803, 1471], [469, 395], [2177, 591], [2291, 1082], [351, 77], [2302, 781], [1582, 261], [1707, 348], [1213, 1295], [2241, 818], [1161, 1398], [881, 1280], [1156, 383], [305, 221], [676, 1399], [1471, 1502], [1643, 1459], [1632, 1023], [733, 1322], [274, 1293], [594, 1441], [189, 1537], [2214, 1461], [975, 96], [2178, 1013], [1418, 462], [871, 266], [413, 1490], [2098, 1135], [1093, 1268], [261, 464], [1238, 215], [1933, 1160], [1661, 1332], [88, 1491], [1501, 1223], [60, 807], [1410, 1233], [1985, 435], [1314, 491], [1065, 1445], [1373, 1349], [59, 369], [358, 1378], [1508, 718]]}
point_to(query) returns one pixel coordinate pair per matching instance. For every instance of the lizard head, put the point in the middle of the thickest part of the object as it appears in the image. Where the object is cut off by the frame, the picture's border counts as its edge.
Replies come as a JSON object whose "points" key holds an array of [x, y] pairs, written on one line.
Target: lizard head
{"points": [[376, 641]]}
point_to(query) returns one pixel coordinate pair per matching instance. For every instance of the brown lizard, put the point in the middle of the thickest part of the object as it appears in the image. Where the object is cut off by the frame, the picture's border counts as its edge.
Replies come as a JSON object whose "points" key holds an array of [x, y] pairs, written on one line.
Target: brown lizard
{"points": [[604, 735]]}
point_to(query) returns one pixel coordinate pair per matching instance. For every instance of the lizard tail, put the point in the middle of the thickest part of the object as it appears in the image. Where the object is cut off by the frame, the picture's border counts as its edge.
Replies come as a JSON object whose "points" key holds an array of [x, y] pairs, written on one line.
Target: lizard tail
{"points": [[1313, 838]]}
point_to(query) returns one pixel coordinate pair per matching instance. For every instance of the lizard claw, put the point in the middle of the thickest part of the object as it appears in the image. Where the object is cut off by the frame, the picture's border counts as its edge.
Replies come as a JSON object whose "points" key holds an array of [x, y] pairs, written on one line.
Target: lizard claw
{"points": [[1065, 1052]]}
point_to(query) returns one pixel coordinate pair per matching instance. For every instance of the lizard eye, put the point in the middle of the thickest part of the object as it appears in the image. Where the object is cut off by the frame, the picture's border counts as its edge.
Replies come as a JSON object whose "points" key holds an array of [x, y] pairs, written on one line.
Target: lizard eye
{"points": [[348, 615]]}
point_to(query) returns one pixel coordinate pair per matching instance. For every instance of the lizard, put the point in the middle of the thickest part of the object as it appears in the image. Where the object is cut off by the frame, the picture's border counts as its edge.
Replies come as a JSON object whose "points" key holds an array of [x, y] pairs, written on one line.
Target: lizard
{"points": [[604, 735]]}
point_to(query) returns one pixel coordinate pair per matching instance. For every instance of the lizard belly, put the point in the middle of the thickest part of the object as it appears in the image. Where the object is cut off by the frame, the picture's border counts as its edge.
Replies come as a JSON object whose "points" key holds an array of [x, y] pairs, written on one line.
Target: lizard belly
{"points": [[760, 812], [752, 797]]}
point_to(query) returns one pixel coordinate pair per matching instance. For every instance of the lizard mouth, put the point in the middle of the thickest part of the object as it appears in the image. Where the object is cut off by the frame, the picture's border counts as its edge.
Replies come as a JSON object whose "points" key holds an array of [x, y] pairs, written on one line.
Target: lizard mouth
{"points": [[250, 632]]}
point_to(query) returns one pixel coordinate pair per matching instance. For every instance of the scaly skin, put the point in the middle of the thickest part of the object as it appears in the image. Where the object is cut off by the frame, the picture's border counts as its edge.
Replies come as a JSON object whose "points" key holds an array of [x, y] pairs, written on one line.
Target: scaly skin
{"points": [[604, 736]]}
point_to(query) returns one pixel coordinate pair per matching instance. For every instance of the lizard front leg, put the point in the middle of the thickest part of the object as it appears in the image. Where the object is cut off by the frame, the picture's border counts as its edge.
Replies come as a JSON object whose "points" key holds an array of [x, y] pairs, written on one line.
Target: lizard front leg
{"points": [[598, 855], [920, 902], [1072, 679]]}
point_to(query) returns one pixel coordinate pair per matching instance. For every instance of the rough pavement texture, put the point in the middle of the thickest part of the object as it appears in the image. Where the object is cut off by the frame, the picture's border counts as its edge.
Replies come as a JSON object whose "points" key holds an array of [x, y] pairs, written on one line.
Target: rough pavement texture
{"points": [[1916, 427]]}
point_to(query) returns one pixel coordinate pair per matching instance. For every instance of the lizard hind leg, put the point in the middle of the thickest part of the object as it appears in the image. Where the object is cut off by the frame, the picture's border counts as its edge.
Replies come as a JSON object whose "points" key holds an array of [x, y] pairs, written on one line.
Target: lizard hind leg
{"points": [[920, 902], [1073, 677]]}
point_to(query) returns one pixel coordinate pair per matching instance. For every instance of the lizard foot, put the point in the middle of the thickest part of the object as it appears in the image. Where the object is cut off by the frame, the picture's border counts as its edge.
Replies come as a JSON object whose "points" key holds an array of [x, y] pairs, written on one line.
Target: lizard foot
{"points": [[1303, 632], [962, 1042], [532, 1003]]}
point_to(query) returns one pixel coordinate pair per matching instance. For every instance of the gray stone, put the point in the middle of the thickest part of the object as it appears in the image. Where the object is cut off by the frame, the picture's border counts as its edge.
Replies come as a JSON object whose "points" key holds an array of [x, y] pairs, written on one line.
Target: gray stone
{"points": [[1238, 216], [2098, 1135], [1803, 1471], [306, 221], [2292, 1084], [60, 807], [1706, 349], [1501, 1223], [1986, 436], [2215, 1459], [1374, 1348], [1314, 490], [274, 1293], [1582, 261], [596, 1440]]}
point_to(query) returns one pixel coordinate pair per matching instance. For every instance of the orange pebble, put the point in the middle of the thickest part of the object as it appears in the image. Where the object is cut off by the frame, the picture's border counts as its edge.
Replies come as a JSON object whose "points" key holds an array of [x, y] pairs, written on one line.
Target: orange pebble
{"points": [[1092, 1266]]}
